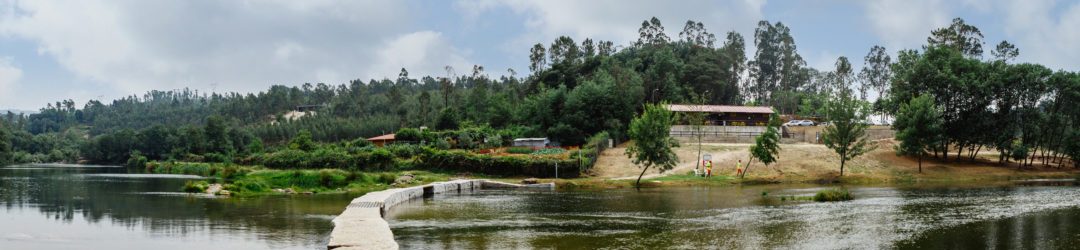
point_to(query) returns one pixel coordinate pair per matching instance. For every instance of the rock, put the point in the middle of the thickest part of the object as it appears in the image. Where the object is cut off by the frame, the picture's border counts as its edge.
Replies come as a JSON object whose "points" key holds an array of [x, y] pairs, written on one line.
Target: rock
{"points": [[307, 193], [405, 179], [289, 191], [530, 181], [224, 193], [213, 189]]}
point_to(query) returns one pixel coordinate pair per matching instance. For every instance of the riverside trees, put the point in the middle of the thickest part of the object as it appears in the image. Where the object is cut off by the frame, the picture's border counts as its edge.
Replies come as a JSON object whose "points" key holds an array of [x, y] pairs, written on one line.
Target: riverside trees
{"points": [[918, 127], [846, 132], [652, 140]]}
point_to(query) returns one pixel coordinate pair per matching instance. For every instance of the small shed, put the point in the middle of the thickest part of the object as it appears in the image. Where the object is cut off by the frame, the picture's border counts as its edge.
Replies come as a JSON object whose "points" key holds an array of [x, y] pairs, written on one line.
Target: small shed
{"points": [[531, 142], [382, 140]]}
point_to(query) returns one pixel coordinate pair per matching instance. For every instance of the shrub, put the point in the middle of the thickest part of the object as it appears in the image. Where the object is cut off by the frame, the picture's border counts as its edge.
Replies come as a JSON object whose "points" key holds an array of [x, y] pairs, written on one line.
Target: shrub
{"points": [[404, 150], [386, 178], [137, 160], [408, 135], [833, 195], [249, 185], [520, 150], [457, 160], [549, 151], [196, 186]]}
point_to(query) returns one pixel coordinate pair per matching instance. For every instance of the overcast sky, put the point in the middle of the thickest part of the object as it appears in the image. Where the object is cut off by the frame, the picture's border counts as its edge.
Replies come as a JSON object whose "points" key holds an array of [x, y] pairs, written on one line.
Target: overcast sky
{"points": [[87, 49]]}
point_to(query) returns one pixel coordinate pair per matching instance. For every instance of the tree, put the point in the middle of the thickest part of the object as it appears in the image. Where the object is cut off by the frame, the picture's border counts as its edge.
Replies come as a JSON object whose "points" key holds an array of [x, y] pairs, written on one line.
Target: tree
{"points": [[960, 36], [564, 50], [918, 127], [1005, 51], [875, 72], [766, 146], [694, 33], [302, 141], [588, 48], [651, 33], [652, 140], [846, 132], [216, 135], [448, 120], [537, 57], [5, 144]]}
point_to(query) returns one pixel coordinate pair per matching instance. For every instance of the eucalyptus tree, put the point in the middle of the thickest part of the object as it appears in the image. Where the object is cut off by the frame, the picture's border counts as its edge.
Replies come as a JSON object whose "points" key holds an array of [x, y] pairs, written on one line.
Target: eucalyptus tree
{"points": [[960, 36]]}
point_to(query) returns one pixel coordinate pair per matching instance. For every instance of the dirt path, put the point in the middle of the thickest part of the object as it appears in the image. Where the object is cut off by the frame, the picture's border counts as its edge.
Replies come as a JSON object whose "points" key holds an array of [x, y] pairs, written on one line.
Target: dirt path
{"points": [[613, 163]]}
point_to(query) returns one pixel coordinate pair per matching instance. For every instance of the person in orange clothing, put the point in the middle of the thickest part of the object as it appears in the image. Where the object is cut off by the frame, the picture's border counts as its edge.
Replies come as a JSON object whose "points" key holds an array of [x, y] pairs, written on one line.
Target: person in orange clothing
{"points": [[708, 169], [738, 168]]}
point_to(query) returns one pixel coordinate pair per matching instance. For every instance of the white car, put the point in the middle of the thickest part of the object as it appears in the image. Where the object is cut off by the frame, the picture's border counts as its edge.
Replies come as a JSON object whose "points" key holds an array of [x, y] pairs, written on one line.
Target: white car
{"points": [[799, 123]]}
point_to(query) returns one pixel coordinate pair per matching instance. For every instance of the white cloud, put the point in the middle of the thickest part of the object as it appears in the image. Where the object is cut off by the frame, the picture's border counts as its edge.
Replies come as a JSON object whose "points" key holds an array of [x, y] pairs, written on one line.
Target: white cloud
{"points": [[905, 24], [415, 51], [1045, 32], [134, 46], [9, 77]]}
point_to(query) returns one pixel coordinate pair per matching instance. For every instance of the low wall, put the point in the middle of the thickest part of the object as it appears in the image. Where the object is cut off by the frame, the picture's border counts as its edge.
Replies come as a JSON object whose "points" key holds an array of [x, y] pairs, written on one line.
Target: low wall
{"points": [[361, 225], [731, 134]]}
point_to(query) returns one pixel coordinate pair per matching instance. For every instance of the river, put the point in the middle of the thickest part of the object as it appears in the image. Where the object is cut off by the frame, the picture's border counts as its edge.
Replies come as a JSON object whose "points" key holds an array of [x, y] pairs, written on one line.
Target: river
{"points": [[101, 207], [1032, 215]]}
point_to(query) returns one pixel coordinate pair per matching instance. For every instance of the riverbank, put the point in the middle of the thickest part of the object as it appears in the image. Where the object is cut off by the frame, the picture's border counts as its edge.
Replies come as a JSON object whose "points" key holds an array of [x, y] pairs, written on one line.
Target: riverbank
{"points": [[809, 163], [241, 180]]}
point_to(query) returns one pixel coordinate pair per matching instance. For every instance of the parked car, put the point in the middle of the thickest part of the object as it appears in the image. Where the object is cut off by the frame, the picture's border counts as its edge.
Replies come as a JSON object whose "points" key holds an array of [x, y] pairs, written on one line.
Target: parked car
{"points": [[799, 123]]}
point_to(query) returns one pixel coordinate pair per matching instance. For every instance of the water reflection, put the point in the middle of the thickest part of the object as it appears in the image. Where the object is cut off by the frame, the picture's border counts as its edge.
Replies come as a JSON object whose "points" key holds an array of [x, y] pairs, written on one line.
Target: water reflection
{"points": [[97, 208], [1010, 216]]}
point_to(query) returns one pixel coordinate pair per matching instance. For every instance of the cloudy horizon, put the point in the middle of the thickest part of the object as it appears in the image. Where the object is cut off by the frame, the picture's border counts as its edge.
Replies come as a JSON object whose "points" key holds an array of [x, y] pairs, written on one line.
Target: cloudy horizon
{"points": [[83, 50]]}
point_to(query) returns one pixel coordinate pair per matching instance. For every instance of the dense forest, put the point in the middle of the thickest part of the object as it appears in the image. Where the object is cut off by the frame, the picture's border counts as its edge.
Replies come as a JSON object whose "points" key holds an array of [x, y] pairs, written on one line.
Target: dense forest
{"points": [[576, 90]]}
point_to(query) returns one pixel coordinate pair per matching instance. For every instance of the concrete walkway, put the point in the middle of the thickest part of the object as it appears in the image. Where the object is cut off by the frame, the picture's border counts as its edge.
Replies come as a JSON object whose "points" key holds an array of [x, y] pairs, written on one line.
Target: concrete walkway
{"points": [[361, 225]]}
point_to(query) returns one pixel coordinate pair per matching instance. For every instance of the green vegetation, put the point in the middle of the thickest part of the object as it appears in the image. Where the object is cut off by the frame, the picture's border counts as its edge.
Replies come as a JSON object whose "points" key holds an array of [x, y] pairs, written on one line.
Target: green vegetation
{"points": [[766, 146], [196, 186], [573, 93], [652, 141], [846, 132], [918, 127], [520, 150], [835, 194]]}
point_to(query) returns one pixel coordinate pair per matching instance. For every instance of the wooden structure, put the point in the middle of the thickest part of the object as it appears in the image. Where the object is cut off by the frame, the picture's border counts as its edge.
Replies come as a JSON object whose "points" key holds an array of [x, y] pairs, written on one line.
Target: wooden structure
{"points": [[382, 140], [531, 142], [722, 115]]}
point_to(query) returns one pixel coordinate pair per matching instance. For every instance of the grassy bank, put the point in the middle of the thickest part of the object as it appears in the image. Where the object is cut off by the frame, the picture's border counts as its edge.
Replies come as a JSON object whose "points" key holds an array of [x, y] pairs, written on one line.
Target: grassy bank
{"points": [[255, 180]]}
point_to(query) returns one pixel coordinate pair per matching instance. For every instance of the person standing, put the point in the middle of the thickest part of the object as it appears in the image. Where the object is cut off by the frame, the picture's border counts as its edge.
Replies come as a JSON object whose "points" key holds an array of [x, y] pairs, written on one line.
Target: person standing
{"points": [[708, 169], [738, 168]]}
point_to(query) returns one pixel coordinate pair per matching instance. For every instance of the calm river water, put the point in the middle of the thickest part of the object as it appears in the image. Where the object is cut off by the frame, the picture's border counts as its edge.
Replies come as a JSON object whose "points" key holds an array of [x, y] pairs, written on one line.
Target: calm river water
{"points": [[1042, 215], [83, 207]]}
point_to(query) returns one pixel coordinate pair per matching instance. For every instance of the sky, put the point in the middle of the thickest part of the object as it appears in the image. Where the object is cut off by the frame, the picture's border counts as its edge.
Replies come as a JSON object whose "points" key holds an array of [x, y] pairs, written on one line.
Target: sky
{"points": [[103, 50]]}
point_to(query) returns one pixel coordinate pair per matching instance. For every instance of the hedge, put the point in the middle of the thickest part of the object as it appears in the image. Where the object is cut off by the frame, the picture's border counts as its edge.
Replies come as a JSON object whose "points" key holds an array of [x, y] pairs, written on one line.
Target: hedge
{"points": [[465, 161]]}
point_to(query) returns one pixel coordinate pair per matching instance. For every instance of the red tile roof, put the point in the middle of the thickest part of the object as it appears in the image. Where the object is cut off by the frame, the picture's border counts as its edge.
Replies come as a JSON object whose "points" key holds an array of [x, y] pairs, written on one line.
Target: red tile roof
{"points": [[720, 109], [386, 137]]}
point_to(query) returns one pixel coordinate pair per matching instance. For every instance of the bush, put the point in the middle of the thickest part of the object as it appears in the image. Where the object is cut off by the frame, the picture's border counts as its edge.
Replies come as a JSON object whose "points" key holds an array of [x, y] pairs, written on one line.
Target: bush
{"points": [[404, 150], [408, 135], [196, 186], [137, 160], [249, 185], [456, 160], [833, 195], [549, 151], [520, 150]]}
